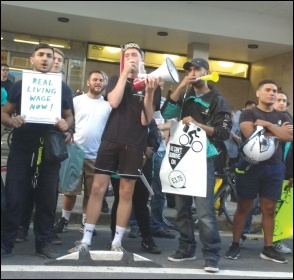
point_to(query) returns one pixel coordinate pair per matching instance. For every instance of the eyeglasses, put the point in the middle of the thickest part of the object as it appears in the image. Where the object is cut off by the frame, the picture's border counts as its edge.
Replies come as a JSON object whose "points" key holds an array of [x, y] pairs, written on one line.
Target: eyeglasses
{"points": [[5, 70]]}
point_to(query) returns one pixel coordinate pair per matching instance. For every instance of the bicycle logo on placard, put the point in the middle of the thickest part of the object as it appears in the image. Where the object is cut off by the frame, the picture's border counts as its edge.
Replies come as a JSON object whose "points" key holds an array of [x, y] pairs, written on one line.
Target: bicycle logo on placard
{"points": [[176, 153]]}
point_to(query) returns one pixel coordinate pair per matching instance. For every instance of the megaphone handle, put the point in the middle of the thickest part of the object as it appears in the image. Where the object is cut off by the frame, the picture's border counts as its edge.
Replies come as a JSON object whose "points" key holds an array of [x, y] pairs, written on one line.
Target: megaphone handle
{"points": [[139, 85], [141, 68]]}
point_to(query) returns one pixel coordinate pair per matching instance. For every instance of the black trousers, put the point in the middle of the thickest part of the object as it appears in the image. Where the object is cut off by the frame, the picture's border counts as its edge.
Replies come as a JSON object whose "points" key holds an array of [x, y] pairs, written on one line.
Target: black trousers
{"points": [[19, 186], [28, 208], [140, 202]]}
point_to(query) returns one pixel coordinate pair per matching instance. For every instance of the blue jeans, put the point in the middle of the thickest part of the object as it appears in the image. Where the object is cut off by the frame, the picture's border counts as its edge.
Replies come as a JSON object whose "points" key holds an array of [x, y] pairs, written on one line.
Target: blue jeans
{"points": [[132, 221], [249, 219], [208, 228], [158, 199], [250, 216]]}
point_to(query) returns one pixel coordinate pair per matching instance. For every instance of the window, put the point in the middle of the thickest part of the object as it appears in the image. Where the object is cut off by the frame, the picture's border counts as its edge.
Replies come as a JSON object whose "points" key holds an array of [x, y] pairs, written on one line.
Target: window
{"points": [[112, 54], [230, 68], [156, 59]]}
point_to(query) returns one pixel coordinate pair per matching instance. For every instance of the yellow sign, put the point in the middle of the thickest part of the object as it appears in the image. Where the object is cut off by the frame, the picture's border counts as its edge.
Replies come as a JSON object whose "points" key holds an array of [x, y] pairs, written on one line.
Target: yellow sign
{"points": [[284, 214]]}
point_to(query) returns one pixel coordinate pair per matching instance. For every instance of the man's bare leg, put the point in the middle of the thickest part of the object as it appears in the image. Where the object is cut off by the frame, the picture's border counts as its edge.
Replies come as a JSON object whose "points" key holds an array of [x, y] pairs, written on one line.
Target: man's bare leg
{"points": [[126, 190], [94, 205]]}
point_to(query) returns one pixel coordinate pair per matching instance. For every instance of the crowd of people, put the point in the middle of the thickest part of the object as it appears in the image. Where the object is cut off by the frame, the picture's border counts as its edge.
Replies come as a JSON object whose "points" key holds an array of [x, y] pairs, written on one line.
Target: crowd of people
{"points": [[112, 123]]}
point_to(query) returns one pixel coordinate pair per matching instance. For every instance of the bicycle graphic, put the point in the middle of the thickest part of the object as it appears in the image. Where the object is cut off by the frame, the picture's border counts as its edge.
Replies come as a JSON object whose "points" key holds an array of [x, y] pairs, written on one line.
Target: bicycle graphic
{"points": [[177, 179]]}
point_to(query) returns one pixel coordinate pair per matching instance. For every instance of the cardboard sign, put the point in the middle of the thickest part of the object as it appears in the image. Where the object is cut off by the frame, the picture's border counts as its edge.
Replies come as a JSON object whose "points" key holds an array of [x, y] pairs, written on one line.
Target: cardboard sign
{"points": [[184, 168], [41, 97], [284, 214]]}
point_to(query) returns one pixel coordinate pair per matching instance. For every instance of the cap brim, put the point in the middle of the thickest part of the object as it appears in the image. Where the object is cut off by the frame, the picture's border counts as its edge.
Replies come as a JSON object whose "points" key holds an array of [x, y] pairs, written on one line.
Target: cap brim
{"points": [[187, 65]]}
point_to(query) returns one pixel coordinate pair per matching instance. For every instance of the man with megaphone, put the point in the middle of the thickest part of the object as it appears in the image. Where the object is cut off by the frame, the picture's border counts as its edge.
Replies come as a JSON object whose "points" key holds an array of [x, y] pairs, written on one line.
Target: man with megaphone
{"points": [[123, 144], [193, 101]]}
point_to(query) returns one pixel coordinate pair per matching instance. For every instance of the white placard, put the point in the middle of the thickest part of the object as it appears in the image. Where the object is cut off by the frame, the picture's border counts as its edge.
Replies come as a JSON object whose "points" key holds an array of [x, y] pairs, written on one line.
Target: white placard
{"points": [[41, 97], [184, 168]]}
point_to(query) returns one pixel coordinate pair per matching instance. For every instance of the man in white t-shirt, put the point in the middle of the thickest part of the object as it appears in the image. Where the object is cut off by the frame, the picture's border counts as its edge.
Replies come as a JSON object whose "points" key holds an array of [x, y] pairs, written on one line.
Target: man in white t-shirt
{"points": [[91, 115]]}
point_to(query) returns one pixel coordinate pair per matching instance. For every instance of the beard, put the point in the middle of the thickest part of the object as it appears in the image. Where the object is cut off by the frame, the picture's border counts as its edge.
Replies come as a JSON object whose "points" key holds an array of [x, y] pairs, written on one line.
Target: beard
{"points": [[95, 91], [199, 83]]}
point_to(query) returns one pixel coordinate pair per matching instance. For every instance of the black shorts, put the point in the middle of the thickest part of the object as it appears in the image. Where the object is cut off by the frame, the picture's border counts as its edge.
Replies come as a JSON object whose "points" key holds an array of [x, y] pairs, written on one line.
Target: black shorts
{"points": [[114, 157]]}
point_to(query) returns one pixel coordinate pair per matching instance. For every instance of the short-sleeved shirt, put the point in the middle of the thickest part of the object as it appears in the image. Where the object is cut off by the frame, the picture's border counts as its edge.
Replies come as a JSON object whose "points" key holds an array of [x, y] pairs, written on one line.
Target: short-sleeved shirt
{"points": [[124, 123], [275, 117], [28, 135]]}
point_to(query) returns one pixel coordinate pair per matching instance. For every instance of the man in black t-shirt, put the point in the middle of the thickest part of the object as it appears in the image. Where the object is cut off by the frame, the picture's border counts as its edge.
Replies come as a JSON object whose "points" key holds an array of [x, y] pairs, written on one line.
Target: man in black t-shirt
{"points": [[122, 146], [26, 163], [265, 178]]}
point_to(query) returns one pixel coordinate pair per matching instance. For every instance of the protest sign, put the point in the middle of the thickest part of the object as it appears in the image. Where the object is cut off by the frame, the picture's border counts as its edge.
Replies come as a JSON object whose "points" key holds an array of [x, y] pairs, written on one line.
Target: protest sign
{"points": [[183, 170], [284, 214], [41, 97]]}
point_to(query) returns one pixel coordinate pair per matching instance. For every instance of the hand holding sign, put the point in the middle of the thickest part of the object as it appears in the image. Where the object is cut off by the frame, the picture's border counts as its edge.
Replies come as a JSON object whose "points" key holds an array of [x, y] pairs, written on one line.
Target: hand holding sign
{"points": [[17, 121]]}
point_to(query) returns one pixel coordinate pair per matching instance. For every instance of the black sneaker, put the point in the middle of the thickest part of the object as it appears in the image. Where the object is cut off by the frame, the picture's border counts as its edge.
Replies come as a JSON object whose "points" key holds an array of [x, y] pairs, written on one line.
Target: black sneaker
{"points": [[47, 252], [211, 265], [233, 253], [134, 233], [105, 208], [5, 253], [61, 225], [163, 233], [272, 255], [180, 256], [22, 234], [148, 245], [55, 240]]}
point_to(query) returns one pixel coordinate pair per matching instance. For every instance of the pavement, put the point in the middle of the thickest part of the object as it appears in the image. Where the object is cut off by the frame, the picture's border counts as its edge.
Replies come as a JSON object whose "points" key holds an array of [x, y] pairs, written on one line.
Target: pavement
{"points": [[24, 258]]}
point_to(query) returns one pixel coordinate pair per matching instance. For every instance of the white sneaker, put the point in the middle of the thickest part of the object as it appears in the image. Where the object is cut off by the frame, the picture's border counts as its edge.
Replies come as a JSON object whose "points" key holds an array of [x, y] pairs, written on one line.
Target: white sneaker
{"points": [[117, 248], [79, 247], [282, 248]]}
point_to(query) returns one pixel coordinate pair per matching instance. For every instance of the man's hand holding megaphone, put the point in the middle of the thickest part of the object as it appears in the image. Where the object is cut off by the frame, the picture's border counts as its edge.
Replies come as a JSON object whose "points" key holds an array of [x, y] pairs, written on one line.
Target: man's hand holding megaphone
{"points": [[167, 72], [151, 83]]}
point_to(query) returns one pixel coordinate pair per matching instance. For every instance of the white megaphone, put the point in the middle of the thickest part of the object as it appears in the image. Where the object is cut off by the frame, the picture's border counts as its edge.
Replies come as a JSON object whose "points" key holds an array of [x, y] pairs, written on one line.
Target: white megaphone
{"points": [[167, 73]]}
